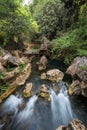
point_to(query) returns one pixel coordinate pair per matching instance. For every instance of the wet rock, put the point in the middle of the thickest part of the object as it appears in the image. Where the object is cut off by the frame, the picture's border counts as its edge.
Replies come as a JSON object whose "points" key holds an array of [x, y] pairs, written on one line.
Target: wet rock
{"points": [[75, 88], [74, 125], [56, 87], [18, 81], [44, 93], [53, 75], [84, 88], [78, 71], [43, 76], [42, 63], [27, 92]]}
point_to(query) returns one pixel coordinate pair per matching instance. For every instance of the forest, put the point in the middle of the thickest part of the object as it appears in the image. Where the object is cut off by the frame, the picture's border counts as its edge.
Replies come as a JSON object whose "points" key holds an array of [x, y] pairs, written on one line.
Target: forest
{"points": [[43, 64]]}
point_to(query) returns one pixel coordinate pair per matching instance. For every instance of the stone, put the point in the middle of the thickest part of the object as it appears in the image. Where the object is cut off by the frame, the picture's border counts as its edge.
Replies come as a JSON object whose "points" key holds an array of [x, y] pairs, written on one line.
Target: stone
{"points": [[10, 75], [17, 54], [75, 88], [24, 59], [78, 71], [42, 63], [10, 60], [44, 93], [75, 68], [18, 81], [2, 69], [31, 52], [43, 76], [84, 88], [27, 92], [54, 75], [75, 124]]}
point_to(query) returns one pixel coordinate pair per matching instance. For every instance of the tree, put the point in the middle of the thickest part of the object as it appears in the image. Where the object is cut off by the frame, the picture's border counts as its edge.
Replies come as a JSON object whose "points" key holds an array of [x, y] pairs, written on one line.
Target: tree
{"points": [[16, 21]]}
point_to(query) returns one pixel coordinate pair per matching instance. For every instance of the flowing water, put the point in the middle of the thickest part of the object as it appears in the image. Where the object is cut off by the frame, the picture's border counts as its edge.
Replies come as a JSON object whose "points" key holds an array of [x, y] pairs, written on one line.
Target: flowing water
{"points": [[61, 107], [16, 113]]}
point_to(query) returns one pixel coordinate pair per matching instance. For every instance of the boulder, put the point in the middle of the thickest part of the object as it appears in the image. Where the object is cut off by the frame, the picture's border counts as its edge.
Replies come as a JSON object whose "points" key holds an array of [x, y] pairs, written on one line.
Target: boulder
{"points": [[74, 125], [54, 75], [84, 88], [78, 68], [18, 81], [75, 88], [10, 75], [10, 60], [78, 71], [27, 92], [2, 69], [44, 93], [42, 63], [43, 76]]}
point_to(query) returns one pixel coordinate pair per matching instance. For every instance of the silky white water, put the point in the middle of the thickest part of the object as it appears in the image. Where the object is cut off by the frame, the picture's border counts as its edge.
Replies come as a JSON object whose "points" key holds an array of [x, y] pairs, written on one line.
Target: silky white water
{"points": [[11, 104], [61, 107]]}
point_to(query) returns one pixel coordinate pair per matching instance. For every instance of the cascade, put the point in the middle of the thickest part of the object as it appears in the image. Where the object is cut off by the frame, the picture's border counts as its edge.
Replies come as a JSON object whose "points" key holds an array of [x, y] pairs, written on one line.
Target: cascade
{"points": [[28, 111], [11, 104], [61, 107]]}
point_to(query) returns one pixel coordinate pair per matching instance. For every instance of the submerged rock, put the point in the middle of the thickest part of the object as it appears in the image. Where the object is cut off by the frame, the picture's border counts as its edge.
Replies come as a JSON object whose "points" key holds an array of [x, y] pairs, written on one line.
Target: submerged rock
{"points": [[53, 75], [44, 93], [27, 92], [78, 71], [74, 125]]}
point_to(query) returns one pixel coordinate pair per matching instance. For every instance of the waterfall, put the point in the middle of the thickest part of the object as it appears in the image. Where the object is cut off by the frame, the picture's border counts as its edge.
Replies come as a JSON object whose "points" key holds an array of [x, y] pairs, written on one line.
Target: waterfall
{"points": [[28, 111], [54, 104], [1, 126], [11, 104], [61, 107]]}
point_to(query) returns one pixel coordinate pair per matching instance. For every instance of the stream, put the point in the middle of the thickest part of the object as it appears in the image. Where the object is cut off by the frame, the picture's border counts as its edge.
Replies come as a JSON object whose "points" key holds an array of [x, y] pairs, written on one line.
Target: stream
{"points": [[38, 114]]}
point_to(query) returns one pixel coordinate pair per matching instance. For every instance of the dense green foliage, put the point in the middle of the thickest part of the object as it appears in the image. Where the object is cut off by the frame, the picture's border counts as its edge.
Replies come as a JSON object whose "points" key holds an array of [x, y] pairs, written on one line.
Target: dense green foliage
{"points": [[50, 17], [64, 22], [74, 42], [16, 22]]}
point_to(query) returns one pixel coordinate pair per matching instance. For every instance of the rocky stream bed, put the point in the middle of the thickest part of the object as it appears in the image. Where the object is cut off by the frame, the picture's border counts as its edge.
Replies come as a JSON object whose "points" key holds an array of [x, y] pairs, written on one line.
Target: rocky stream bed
{"points": [[41, 95]]}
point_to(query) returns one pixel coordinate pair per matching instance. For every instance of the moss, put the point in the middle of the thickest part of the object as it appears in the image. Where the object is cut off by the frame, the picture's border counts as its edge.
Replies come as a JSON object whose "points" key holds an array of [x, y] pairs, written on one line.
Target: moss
{"points": [[9, 68], [21, 67], [3, 88], [1, 75], [83, 67]]}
